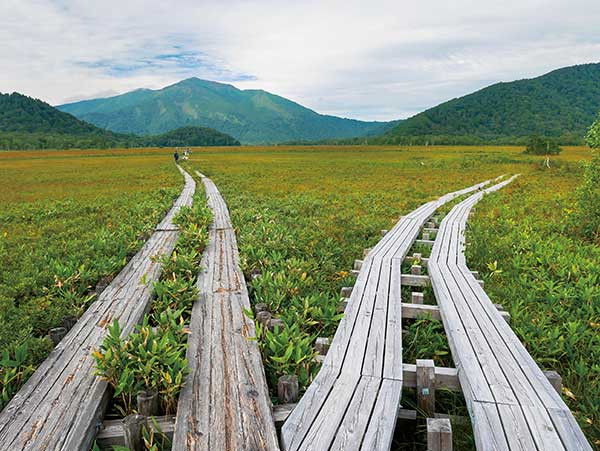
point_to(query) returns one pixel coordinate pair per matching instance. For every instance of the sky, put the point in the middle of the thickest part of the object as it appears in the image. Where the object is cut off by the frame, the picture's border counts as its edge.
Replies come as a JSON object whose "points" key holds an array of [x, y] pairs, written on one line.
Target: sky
{"points": [[371, 60]]}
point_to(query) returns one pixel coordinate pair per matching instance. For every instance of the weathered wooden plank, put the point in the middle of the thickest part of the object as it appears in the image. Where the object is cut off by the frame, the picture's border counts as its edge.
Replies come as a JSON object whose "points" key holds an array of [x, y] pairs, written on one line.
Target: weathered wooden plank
{"points": [[356, 419], [368, 343], [509, 397], [225, 403], [382, 424], [61, 404]]}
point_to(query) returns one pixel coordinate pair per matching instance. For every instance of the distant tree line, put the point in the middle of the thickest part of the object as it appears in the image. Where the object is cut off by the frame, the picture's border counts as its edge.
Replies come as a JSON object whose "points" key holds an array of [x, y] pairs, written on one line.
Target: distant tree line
{"points": [[27, 123]]}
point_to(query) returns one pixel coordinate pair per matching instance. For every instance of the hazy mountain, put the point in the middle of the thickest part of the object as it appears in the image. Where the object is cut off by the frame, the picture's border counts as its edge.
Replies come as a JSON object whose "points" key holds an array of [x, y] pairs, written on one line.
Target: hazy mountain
{"points": [[251, 116]]}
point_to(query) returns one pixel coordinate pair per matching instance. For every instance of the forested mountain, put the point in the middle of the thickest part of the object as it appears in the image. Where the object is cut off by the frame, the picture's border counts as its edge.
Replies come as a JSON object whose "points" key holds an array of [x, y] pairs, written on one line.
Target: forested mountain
{"points": [[27, 123], [251, 116], [560, 104], [190, 136]]}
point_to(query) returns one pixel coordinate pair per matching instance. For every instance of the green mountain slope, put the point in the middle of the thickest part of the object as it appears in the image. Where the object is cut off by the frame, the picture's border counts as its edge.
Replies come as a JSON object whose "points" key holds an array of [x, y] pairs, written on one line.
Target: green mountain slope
{"points": [[560, 104], [27, 123], [251, 116]]}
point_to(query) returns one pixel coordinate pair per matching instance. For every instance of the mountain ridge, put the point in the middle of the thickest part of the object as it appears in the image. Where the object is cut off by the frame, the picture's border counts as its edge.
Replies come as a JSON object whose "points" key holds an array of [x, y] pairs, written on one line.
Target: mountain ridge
{"points": [[252, 116], [27, 123], [559, 104]]}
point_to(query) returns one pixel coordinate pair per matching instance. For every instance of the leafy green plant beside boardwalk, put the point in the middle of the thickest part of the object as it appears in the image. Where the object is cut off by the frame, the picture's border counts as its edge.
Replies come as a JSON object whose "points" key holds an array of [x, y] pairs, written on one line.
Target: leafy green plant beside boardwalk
{"points": [[69, 222], [153, 357]]}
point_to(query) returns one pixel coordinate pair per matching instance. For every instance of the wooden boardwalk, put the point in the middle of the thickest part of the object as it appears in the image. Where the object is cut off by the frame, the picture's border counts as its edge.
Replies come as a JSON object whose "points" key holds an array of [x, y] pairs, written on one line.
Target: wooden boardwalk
{"points": [[353, 401], [62, 404], [511, 403], [225, 404]]}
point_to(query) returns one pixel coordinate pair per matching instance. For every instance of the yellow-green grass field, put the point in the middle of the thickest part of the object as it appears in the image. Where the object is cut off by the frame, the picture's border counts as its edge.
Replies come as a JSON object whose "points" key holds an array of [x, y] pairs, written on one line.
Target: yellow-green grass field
{"points": [[303, 214], [69, 220]]}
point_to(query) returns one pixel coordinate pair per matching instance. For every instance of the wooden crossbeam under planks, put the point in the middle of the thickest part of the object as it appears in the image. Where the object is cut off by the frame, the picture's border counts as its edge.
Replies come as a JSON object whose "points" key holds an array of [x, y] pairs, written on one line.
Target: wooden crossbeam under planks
{"points": [[61, 405], [225, 403], [352, 403], [511, 403]]}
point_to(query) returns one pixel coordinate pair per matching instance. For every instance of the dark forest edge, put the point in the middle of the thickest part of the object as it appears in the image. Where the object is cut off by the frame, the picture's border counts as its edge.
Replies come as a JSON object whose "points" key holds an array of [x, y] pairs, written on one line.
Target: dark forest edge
{"points": [[27, 123]]}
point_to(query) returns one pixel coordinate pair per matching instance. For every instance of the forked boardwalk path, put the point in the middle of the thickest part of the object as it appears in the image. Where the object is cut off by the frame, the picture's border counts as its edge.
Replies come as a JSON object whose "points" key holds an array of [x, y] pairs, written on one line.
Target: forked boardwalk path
{"points": [[353, 401], [62, 404], [511, 403], [225, 404]]}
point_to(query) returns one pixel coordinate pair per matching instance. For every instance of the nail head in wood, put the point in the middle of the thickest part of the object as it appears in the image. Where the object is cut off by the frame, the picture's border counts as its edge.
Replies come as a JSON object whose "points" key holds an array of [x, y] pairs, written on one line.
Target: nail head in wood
{"points": [[426, 386], [132, 430], [287, 388], [439, 434]]}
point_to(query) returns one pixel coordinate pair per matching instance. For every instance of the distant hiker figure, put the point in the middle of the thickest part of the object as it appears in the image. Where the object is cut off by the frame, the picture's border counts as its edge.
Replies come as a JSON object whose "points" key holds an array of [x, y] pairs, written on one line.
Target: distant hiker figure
{"points": [[176, 156]]}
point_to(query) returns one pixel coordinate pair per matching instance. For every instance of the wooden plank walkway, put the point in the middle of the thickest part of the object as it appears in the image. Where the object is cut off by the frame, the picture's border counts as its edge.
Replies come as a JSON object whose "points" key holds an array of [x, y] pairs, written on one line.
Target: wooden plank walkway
{"points": [[511, 403], [225, 404], [62, 404], [352, 403]]}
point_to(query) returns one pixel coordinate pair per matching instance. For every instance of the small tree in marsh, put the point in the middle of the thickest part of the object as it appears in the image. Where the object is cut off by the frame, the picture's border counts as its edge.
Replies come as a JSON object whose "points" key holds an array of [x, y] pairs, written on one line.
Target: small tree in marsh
{"points": [[541, 146], [588, 193], [593, 135]]}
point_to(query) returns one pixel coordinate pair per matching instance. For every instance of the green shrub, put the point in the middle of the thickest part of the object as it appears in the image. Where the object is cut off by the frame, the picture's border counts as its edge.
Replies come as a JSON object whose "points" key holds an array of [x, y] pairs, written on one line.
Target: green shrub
{"points": [[587, 213], [541, 146], [149, 358], [14, 371], [593, 135]]}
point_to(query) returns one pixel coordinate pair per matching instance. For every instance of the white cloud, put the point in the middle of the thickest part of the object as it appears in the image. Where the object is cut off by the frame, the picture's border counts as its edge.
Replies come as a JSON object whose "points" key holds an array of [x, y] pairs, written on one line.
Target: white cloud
{"points": [[377, 60]]}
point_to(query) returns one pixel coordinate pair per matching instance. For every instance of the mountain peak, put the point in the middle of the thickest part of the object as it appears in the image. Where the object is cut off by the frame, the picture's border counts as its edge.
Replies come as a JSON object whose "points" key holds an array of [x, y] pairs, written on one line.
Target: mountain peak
{"points": [[251, 116]]}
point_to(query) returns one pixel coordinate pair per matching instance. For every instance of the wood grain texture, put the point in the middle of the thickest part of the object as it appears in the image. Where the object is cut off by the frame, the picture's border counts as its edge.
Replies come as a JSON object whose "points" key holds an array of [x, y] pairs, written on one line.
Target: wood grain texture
{"points": [[62, 404], [353, 401], [512, 404], [225, 403]]}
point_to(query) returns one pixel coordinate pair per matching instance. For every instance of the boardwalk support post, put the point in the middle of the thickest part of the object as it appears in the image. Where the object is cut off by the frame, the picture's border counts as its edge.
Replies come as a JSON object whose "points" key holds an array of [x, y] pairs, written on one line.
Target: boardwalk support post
{"points": [[555, 379], [439, 434], [263, 318], [287, 389], [426, 386], [345, 292], [261, 307], [416, 297], [147, 403], [322, 345], [276, 323], [357, 265], [56, 334], [132, 429], [415, 270], [69, 321]]}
